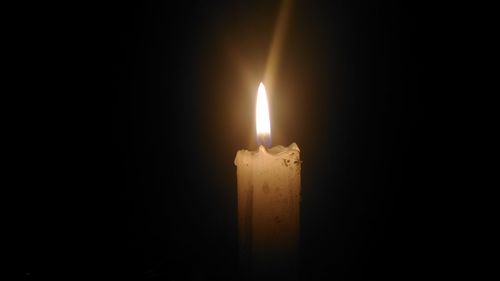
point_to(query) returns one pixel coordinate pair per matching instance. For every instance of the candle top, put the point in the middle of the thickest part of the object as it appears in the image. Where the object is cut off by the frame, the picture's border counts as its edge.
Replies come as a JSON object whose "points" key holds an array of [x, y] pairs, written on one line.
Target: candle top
{"points": [[275, 152], [279, 149]]}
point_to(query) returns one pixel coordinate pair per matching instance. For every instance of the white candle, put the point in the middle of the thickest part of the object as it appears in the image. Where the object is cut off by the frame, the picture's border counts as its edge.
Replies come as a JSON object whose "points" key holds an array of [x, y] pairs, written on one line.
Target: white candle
{"points": [[268, 201]]}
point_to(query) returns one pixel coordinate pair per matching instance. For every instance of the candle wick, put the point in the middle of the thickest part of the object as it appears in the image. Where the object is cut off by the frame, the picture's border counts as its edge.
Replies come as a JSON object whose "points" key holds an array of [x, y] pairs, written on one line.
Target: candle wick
{"points": [[264, 140]]}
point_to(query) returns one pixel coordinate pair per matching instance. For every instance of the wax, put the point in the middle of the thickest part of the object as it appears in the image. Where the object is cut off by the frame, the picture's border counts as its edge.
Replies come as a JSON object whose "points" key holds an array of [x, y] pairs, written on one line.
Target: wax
{"points": [[268, 208]]}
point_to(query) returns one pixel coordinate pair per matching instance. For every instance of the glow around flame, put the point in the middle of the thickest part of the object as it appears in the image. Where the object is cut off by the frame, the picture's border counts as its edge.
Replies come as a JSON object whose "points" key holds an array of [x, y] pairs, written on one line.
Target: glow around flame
{"points": [[262, 118]]}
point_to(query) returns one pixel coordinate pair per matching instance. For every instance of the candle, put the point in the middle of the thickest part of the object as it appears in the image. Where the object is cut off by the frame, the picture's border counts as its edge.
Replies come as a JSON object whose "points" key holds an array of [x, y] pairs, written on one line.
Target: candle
{"points": [[268, 201]]}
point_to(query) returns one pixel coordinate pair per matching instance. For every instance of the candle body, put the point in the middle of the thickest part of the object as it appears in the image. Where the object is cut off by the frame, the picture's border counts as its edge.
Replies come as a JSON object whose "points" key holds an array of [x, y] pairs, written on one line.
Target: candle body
{"points": [[268, 210]]}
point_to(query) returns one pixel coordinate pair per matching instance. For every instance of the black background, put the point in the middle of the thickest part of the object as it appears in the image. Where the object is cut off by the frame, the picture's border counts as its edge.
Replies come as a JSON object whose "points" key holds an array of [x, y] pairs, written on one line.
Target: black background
{"points": [[166, 96]]}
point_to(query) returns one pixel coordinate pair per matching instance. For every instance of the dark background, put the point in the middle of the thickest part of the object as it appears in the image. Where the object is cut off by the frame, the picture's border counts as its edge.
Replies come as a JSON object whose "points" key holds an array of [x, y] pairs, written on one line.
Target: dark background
{"points": [[168, 94]]}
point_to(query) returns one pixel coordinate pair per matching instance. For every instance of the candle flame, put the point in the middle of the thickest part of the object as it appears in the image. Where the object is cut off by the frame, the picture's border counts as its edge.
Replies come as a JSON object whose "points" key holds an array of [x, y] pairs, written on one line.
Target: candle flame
{"points": [[263, 122]]}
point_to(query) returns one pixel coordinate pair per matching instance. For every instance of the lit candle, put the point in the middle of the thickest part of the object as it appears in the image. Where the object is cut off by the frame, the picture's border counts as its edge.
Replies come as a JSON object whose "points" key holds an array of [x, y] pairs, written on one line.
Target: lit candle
{"points": [[268, 201]]}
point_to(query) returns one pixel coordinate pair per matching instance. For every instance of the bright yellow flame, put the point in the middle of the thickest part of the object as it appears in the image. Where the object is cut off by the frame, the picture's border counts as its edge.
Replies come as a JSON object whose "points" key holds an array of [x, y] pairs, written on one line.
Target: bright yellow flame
{"points": [[262, 116]]}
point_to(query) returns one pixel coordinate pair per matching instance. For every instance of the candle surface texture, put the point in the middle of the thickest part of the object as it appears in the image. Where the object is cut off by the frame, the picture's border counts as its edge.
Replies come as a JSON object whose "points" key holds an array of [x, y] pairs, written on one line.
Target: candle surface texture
{"points": [[268, 207]]}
